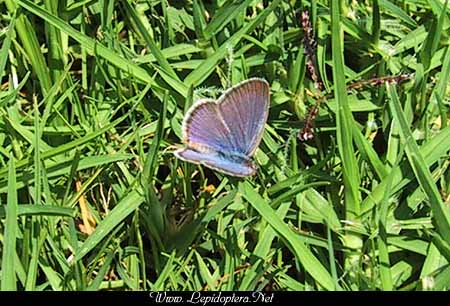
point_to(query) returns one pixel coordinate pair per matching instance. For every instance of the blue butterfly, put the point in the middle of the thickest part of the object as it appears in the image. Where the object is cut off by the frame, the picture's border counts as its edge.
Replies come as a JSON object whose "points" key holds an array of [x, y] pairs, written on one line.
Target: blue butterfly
{"points": [[224, 134]]}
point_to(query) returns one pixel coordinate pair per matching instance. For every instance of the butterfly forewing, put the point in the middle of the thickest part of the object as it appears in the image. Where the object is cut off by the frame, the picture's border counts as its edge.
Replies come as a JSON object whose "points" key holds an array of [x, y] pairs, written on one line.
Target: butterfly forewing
{"points": [[244, 110]]}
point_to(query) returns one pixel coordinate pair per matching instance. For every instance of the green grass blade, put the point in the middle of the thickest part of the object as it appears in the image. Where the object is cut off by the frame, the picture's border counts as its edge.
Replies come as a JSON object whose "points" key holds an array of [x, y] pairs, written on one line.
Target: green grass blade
{"points": [[310, 263], [207, 67], [344, 120], [432, 151], [156, 52], [125, 207], [89, 44], [168, 268], [384, 261], [28, 38], [398, 13], [44, 210], [225, 15], [440, 211], [8, 277], [6, 45]]}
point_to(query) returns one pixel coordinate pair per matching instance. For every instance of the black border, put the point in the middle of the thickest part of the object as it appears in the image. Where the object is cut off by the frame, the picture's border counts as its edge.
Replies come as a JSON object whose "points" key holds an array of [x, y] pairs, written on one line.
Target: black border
{"points": [[310, 298]]}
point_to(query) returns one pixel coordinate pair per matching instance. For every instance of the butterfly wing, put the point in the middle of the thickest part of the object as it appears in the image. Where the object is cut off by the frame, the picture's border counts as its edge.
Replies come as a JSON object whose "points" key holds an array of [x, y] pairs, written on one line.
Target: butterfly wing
{"points": [[217, 161], [234, 124], [203, 127], [244, 110], [223, 135]]}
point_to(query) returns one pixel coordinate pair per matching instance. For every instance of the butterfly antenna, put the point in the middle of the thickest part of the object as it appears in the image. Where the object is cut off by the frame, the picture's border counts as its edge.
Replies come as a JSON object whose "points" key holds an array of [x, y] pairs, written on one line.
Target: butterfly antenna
{"points": [[170, 147]]}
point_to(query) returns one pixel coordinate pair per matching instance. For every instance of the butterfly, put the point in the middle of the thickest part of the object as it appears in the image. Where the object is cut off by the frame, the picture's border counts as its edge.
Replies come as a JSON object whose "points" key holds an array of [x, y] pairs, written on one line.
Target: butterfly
{"points": [[223, 135]]}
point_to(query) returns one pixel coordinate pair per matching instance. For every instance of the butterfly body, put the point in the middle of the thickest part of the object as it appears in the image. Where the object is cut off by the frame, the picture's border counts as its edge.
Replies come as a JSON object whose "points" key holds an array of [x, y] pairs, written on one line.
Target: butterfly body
{"points": [[224, 134]]}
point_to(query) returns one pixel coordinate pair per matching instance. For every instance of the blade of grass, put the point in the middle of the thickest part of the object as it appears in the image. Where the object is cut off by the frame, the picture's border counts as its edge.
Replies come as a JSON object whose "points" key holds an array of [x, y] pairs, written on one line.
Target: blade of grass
{"points": [[376, 29], [70, 145], [262, 249], [55, 52], [8, 277], [441, 213], [156, 52], [344, 122], [106, 266], [432, 152], [6, 45], [441, 86], [28, 37], [368, 153], [207, 67], [225, 15], [44, 210], [89, 44], [310, 263], [125, 207], [383, 253], [32, 271], [431, 43], [398, 13], [168, 269]]}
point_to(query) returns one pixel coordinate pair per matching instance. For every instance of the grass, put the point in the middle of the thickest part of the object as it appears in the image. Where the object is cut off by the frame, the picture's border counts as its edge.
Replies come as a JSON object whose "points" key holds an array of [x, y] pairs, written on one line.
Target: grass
{"points": [[91, 102]]}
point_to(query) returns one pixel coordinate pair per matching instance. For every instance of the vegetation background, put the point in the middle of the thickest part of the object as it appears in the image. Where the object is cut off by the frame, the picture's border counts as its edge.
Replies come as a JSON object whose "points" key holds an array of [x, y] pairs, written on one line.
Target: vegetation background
{"points": [[92, 97]]}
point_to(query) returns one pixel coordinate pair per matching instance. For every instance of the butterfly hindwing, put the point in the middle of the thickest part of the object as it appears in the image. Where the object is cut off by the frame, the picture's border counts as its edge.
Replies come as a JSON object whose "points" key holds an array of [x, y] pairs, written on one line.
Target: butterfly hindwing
{"points": [[217, 161]]}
